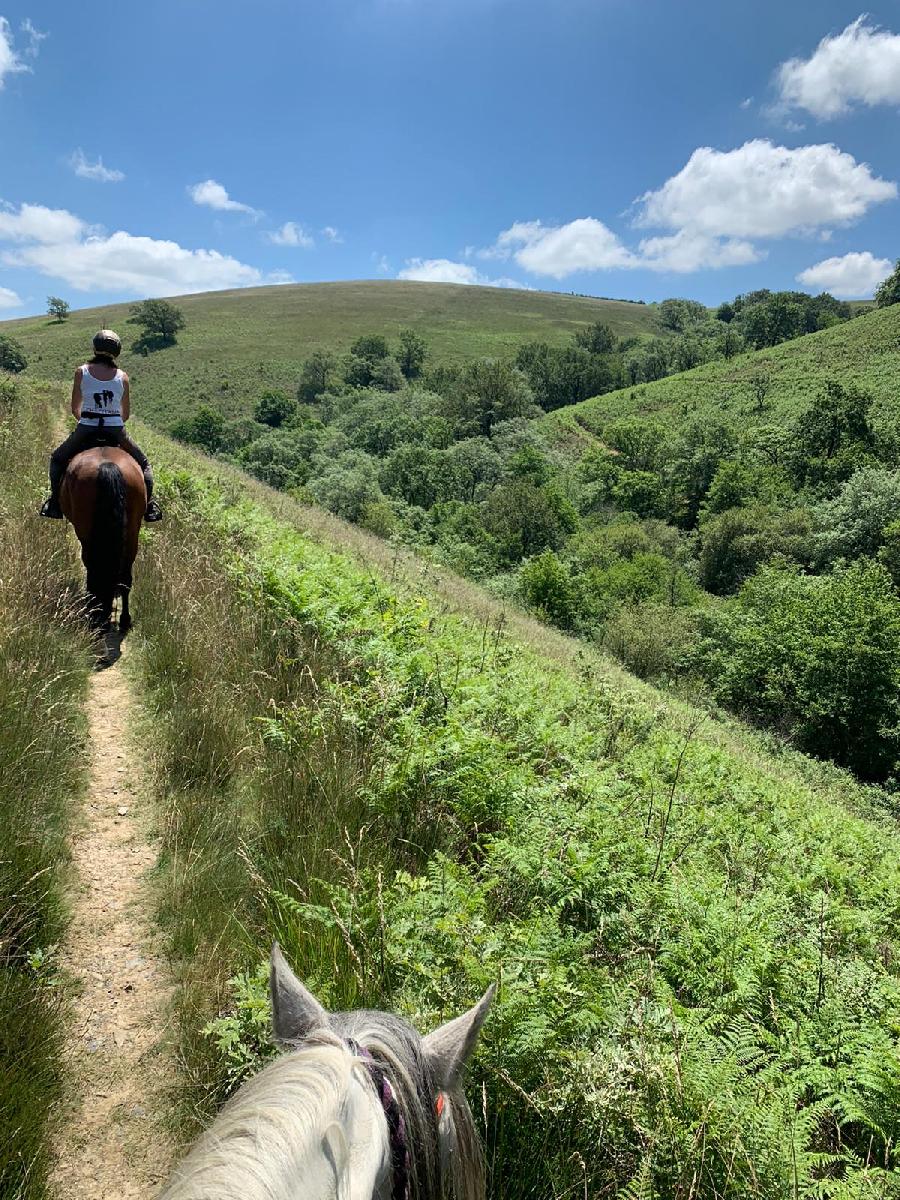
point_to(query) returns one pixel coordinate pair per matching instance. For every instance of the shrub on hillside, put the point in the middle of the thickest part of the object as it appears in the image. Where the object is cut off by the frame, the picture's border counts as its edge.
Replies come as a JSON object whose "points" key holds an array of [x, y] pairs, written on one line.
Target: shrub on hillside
{"points": [[853, 523], [888, 292], [816, 657], [12, 355], [280, 458], [206, 428], [316, 376], [546, 585], [526, 519], [652, 640], [733, 544], [274, 408], [346, 485]]}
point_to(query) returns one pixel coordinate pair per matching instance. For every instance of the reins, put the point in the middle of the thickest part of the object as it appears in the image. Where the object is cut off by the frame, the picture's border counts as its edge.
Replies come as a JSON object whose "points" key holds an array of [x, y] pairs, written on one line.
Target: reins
{"points": [[399, 1147]]}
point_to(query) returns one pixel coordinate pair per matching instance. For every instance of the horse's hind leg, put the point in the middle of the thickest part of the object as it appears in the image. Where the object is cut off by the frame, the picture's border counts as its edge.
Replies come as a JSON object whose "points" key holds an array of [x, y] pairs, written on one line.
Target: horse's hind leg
{"points": [[125, 615], [125, 593]]}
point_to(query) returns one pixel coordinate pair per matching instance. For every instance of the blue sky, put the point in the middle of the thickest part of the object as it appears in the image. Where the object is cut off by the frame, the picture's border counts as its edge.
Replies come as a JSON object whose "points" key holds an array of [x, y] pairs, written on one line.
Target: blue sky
{"points": [[633, 148]]}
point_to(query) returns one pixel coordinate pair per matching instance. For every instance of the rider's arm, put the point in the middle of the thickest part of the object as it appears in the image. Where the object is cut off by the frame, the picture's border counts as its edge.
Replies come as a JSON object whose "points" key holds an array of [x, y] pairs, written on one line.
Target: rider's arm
{"points": [[76, 396], [126, 398]]}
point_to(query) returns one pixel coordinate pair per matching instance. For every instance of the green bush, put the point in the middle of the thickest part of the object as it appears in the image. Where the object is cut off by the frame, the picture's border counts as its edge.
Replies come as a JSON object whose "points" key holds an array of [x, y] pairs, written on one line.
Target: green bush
{"points": [[546, 585], [206, 428], [12, 355], [816, 657], [733, 544], [653, 640], [853, 523], [274, 408]]}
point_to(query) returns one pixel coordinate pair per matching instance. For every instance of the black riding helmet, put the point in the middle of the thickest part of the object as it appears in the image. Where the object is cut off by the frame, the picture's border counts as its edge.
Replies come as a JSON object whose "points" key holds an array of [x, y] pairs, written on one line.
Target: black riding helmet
{"points": [[107, 342]]}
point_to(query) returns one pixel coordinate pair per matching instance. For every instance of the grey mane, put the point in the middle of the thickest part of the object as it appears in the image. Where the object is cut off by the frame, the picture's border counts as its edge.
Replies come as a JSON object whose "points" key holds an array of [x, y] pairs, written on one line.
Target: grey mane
{"points": [[445, 1153]]}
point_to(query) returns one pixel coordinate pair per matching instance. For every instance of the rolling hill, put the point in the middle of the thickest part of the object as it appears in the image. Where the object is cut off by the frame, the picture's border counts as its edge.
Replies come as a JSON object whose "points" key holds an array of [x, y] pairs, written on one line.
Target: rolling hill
{"points": [[865, 352], [239, 343]]}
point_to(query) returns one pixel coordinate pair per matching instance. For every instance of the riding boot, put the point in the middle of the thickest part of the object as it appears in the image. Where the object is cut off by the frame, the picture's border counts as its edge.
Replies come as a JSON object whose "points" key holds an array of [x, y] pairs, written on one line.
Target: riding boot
{"points": [[50, 507], [154, 512]]}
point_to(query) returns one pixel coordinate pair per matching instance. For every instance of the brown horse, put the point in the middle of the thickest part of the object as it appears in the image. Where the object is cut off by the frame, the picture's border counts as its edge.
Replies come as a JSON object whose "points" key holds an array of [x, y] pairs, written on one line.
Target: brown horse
{"points": [[104, 497]]}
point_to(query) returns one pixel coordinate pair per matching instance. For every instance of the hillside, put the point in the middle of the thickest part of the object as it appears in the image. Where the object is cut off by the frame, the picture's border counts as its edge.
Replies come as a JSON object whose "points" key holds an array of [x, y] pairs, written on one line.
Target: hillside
{"points": [[693, 933], [239, 343], [865, 352]]}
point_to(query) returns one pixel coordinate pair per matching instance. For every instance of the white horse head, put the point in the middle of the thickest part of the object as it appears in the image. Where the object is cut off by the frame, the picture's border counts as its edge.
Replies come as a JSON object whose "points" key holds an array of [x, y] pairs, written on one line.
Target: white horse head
{"points": [[360, 1108]]}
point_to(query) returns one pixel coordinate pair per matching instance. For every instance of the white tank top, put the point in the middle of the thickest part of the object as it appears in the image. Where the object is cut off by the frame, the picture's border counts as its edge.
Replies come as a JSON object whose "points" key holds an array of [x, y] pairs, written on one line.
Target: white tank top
{"points": [[101, 400]]}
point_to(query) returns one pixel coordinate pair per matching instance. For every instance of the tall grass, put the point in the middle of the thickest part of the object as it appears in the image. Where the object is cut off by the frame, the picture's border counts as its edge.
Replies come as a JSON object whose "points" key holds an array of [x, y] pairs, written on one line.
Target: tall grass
{"points": [[696, 947], [43, 671], [245, 814]]}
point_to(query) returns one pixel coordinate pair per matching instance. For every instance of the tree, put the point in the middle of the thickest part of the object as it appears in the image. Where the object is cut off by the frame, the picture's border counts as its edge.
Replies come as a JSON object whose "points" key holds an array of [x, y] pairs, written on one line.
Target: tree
{"points": [[854, 522], [57, 307], [816, 656], [834, 437], [596, 339], [161, 322], [205, 428], [888, 292], [387, 376], [561, 375], [12, 355], [677, 315], [274, 408], [371, 347], [315, 376], [412, 353], [487, 392]]}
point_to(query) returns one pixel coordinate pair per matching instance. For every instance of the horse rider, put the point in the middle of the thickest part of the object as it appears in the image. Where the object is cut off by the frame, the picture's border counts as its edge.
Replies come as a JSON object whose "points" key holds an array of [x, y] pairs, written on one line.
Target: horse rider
{"points": [[101, 404]]}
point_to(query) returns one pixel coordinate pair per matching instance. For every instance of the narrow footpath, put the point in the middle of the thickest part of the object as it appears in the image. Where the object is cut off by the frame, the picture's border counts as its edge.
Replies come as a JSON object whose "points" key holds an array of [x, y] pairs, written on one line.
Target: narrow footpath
{"points": [[112, 1141]]}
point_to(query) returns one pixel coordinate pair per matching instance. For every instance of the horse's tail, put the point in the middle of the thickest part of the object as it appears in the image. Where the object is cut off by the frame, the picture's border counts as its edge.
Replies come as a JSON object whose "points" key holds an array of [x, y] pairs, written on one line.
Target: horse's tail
{"points": [[107, 541]]}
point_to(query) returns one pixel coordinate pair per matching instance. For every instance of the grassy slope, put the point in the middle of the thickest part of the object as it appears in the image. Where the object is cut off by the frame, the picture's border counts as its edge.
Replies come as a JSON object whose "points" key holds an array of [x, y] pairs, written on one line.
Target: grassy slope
{"points": [[694, 929], [44, 666], [865, 351], [238, 343]]}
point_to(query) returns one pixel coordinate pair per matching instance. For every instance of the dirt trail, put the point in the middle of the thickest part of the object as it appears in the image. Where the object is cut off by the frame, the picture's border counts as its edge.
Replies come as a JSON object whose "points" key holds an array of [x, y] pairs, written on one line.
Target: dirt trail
{"points": [[112, 1142]]}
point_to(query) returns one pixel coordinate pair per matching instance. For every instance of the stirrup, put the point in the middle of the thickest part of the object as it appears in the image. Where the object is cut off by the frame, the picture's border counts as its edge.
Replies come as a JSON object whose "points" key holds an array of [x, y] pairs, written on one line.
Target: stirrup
{"points": [[50, 508], [153, 513]]}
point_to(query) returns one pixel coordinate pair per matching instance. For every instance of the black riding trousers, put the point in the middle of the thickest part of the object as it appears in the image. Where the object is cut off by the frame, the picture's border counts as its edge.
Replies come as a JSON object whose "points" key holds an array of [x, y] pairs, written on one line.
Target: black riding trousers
{"points": [[86, 437]]}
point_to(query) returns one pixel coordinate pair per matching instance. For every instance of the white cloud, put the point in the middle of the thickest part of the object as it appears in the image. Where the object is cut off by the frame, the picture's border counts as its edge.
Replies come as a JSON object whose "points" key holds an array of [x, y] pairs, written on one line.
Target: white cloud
{"points": [[213, 195], [62, 246], [290, 234], [95, 171], [445, 270], [332, 234], [761, 190], [746, 102], [8, 298], [855, 274], [584, 244], [860, 65], [438, 270], [10, 60], [35, 223], [687, 251]]}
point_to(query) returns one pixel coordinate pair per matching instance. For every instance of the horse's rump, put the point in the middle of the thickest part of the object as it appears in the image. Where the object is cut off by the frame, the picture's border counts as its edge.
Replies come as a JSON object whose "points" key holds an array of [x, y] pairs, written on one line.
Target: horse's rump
{"points": [[104, 496]]}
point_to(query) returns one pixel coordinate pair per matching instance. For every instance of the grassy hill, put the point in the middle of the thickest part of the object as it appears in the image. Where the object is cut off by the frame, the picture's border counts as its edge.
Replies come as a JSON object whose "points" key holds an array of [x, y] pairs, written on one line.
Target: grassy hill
{"points": [[239, 343], [865, 351], [694, 929]]}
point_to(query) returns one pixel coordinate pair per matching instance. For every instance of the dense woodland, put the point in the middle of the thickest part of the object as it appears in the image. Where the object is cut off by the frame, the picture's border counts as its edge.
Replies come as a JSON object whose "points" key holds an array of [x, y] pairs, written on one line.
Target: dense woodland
{"points": [[749, 561]]}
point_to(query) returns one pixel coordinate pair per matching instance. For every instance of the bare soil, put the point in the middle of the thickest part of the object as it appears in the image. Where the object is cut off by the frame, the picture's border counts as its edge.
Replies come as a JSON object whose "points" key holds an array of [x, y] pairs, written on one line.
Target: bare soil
{"points": [[112, 1140]]}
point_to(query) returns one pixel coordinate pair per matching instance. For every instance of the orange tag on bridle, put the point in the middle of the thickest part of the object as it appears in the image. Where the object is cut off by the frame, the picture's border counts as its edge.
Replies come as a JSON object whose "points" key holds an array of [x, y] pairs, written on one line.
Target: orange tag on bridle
{"points": [[439, 1104]]}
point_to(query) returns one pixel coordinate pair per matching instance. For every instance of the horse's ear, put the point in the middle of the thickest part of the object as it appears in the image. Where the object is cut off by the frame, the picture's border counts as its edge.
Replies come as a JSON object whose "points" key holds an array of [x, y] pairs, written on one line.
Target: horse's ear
{"points": [[296, 1013], [450, 1046]]}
